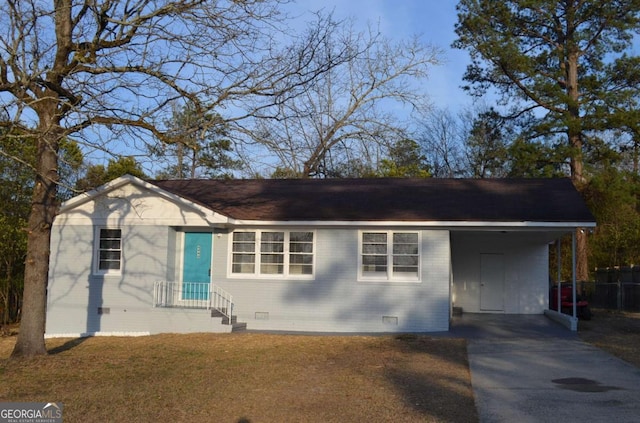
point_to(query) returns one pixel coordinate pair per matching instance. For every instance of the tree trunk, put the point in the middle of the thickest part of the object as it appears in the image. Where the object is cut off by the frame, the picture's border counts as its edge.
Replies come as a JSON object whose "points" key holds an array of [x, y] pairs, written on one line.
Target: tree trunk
{"points": [[582, 264], [582, 251], [5, 295], [43, 209], [49, 108], [636, 141], [574, 135]]}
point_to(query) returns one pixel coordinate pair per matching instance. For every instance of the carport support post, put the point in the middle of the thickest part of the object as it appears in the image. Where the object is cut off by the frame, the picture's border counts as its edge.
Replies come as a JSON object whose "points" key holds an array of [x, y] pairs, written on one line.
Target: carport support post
{"points": [[573, 270], [559, 260]]}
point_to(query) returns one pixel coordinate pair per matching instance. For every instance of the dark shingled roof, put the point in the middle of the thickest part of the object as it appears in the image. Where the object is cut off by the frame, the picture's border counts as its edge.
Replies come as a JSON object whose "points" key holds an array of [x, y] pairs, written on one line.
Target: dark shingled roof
{"points": [[471, 200]]}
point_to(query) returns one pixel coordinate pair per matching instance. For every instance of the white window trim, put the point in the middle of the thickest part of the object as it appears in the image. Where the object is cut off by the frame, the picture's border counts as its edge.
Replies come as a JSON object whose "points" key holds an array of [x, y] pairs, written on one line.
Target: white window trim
{"points": [[96, 253], [389, 276], [285, 275]]}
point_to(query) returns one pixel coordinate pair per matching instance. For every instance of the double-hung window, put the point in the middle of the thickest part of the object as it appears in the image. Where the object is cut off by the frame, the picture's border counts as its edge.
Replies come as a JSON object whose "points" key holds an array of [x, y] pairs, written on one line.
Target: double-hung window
{"points": [[273, 253], [108, 250], [390, 255], [244, 252]]}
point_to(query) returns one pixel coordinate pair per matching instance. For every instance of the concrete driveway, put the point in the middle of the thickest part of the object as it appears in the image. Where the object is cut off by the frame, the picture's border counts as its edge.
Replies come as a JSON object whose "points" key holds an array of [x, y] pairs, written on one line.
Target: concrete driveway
{"points": [[530, 369]]}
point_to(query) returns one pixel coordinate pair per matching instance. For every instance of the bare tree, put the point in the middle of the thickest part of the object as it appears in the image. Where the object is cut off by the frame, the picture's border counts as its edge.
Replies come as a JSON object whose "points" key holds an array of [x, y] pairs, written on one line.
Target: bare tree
{"points": [[345, 113], [441, 138], [486, 143], [109, 70], [472, 143]]}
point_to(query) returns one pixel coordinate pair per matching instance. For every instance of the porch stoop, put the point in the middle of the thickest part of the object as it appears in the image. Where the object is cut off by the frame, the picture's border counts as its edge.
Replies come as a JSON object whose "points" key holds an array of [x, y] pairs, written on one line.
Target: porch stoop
{"points": [[234, 325]]}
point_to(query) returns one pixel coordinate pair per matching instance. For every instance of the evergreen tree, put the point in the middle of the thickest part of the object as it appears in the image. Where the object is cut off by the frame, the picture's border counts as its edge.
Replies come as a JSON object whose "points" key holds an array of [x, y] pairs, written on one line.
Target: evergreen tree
{"points": [[613, 197], [405, 160], [550, 56], [486, 146], [199, 146], [97, 175]]}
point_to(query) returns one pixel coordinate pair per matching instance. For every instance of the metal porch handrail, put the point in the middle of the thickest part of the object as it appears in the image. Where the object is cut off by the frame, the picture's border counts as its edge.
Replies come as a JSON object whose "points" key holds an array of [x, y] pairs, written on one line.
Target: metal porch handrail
{"points": [[193, 295]]}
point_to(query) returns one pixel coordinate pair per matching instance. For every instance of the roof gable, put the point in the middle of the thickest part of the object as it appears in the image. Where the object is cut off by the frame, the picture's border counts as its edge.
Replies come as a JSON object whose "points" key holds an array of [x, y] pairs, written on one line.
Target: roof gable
{"points": [[130, 197], [388, 199]]}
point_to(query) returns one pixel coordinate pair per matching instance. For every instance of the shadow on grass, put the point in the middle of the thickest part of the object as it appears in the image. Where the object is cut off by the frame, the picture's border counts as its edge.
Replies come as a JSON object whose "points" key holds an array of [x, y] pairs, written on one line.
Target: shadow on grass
{"points": [[444, 395], [67, 345]]}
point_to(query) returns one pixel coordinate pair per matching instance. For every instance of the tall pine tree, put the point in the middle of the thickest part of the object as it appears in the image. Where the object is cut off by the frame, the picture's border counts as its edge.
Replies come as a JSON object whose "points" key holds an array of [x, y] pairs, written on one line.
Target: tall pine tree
{"points": [[552, 57]]}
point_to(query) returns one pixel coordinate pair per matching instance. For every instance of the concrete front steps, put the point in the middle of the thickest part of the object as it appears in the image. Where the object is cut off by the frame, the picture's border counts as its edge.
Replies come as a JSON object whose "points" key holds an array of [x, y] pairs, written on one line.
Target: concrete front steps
{"points": [[233, 326]]}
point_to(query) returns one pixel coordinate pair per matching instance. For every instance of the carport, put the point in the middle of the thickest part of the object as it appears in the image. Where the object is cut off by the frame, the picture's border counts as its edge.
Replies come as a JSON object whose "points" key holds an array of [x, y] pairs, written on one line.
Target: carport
{"points": [[501, 265]]}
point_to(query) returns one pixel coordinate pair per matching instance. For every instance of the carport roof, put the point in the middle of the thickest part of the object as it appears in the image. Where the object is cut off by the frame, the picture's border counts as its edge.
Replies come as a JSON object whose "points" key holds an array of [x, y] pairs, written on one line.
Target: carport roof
{"points": [[388, 199]]}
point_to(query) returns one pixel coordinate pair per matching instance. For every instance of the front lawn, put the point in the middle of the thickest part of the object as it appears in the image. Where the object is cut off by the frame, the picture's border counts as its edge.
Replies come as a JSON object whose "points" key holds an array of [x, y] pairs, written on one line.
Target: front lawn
{"points": [[617, 332], [247, 377]]}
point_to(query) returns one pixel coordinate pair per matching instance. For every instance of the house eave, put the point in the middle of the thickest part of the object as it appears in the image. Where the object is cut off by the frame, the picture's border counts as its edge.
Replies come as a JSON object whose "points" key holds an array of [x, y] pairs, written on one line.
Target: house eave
{"points": [[475, 225]]}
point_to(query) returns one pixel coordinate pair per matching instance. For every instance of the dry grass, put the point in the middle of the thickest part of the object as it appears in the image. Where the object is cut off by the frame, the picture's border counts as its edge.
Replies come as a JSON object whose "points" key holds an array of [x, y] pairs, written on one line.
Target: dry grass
{"points": [[247, 378], [614, 331]]}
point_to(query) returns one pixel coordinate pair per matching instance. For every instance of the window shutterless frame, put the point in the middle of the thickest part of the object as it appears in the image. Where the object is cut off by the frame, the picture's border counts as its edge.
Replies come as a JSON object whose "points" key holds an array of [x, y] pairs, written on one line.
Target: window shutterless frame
{"points": [[107, 249], [272, 253], [389, 256]]}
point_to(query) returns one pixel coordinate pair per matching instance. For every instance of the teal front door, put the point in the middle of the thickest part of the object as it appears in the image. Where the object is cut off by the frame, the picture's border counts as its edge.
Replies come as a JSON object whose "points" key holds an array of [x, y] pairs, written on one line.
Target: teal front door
{"points": [[196, 269]]}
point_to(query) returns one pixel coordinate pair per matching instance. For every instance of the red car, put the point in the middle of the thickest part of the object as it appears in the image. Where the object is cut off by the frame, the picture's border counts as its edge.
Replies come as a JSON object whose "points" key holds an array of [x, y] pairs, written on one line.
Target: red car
{"points": [[582, 306]]}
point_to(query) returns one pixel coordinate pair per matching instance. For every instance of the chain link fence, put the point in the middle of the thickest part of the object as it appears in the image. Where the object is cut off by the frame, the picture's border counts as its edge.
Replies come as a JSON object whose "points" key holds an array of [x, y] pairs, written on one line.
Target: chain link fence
{"points": [[615, 288]]}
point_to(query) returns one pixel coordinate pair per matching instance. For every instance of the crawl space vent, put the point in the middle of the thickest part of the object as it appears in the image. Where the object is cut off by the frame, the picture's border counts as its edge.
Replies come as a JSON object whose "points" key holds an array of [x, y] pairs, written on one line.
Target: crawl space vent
{"points": [[390, 320], [262, 315]]}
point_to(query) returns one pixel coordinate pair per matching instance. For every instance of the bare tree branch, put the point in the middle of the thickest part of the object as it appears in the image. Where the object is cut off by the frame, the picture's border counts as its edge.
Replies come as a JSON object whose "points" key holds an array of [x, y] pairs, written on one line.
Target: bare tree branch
{"points": [[107, 72], [344, 106]]}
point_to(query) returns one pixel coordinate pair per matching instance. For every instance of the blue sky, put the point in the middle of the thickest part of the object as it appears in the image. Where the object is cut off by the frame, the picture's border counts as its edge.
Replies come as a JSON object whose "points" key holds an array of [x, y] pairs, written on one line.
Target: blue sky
{"points": [[432, 20]]}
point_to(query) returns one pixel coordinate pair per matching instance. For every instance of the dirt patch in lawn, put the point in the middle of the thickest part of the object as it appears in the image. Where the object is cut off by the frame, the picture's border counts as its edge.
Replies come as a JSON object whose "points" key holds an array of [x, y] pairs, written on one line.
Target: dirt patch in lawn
{"points": [[614, 331], [247, 377]]}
